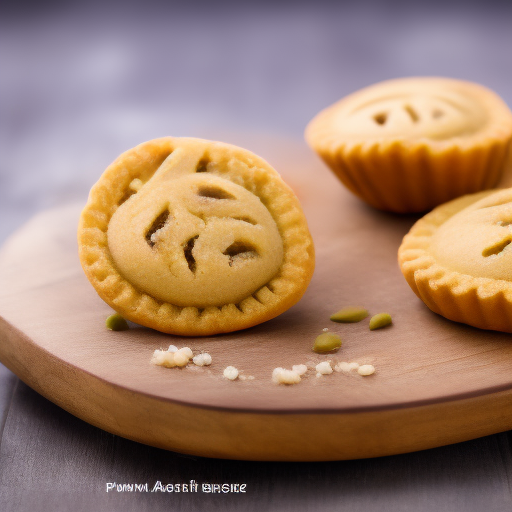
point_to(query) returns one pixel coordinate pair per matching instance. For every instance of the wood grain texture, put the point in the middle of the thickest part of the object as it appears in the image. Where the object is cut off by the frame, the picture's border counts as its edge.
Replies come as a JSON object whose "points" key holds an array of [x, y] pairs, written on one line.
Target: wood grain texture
{"points": [[52, 461], [437, 382]]}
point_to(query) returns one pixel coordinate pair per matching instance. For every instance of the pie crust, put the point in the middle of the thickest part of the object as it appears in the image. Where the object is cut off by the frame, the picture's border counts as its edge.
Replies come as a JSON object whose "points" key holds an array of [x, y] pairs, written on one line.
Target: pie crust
{"points": [[410, 144], [458, 260], [194, 237]]}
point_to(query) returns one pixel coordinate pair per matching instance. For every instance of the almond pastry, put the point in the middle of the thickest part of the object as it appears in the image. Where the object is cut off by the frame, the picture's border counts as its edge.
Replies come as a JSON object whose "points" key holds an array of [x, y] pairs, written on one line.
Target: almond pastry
{"points": [[410, 144], [194, 237], [458, 260]]}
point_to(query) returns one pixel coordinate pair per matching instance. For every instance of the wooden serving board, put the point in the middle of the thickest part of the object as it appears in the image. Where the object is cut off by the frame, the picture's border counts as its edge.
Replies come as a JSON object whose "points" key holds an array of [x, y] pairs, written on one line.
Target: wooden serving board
{"points": [[436, 382]]}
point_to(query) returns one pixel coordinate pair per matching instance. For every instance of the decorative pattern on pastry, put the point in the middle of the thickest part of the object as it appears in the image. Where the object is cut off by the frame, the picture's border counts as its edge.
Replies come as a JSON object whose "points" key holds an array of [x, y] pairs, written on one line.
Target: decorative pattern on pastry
{"points": [[194, 237], [410, 144], [458, 260]]}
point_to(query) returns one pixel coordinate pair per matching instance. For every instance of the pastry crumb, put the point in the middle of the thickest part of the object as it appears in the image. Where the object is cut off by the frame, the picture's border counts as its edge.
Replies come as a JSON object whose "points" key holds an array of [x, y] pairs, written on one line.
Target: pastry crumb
{"points": [[346, 367], [163, 358], [324, 368], [203, 359], [172, 357], [182, 356], [301, 369], [230, 373], [283, 376], [366, 369]]}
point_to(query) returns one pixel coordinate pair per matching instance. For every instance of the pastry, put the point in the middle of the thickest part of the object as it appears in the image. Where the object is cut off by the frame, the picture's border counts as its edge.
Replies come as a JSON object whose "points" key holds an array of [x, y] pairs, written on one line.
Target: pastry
{"points": [[458, 260], [410, 144], [194, 237]]}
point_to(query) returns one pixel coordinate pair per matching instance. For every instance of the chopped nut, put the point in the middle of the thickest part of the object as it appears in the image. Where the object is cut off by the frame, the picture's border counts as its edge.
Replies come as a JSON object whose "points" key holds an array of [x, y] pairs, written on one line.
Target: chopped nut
{"points": [[379, 321], [116, 322], [172, 348], [349, 315], [327, 342]]}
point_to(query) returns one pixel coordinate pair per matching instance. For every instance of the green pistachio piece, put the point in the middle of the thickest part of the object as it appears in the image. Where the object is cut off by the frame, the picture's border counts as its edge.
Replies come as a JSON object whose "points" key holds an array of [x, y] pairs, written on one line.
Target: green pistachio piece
{"points": [[116, 322], [327, 342], [349, 315], [379, 321]]}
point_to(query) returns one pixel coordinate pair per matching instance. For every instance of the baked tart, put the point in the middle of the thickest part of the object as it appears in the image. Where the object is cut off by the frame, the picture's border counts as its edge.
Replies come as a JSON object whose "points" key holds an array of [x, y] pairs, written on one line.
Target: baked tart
{"points": [[458, 260], [194, 237], [410, 144]]}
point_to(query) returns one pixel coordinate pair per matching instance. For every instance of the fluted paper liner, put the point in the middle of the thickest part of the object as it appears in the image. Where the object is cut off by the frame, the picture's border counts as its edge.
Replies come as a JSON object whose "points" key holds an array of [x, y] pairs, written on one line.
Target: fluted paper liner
{"points": [[410, 171], [477, 301]]}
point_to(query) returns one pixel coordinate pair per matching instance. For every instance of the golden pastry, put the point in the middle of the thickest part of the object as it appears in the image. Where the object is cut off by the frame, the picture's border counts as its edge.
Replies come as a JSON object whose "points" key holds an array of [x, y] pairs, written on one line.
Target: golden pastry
{"points": [[410, 144], [194, 237], [458, 260]]}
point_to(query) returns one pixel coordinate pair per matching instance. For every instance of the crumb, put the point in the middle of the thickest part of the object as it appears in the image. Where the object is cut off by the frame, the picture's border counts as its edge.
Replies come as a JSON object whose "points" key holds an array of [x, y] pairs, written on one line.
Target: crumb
{"points": [[301, 369], [230, 373], [346, 367], [324, 368], [366, 369], [283, 376], [163, 358], [325, 329], [182, 356], [172, 357], [203, 359]]}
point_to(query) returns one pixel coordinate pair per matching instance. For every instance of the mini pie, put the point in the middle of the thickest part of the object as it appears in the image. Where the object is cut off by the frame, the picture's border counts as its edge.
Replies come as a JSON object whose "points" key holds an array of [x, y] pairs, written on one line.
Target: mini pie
{"points": [[194, 237], [410, 144], [458, 260]]}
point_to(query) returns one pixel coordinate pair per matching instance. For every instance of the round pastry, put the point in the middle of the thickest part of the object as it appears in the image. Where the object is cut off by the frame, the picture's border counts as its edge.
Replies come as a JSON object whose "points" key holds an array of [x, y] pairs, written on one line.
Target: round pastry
{"points": [[194, 237], [458, 260], [410, 144]]}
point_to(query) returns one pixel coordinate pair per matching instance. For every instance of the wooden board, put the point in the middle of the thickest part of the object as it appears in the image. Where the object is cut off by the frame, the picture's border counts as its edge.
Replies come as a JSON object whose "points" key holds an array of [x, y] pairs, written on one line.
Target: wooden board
{"points": [[437, 382]]}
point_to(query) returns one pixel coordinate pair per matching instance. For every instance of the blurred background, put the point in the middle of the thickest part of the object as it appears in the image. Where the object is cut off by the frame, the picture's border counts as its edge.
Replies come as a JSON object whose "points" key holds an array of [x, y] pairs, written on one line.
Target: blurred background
{"points": [[82, 82]]}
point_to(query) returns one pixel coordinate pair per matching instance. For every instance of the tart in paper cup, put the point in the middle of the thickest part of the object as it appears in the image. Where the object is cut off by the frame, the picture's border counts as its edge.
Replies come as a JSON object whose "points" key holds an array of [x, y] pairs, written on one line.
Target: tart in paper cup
{"points": [[458, 260], [410, 144]]}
